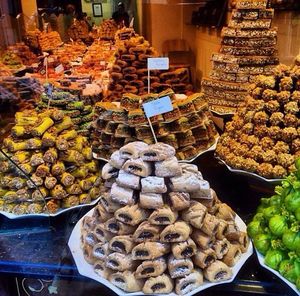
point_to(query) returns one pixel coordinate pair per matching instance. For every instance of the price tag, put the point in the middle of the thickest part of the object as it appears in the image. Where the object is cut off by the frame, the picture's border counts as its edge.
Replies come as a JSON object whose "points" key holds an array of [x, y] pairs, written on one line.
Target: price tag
{"points": [[59, 69], [156, 107], [158, 63]]}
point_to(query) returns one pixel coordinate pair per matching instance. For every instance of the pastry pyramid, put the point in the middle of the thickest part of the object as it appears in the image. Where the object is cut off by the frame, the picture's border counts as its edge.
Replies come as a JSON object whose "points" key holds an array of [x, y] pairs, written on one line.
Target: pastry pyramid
{"points": [[159, 227], [129, 71], [247, 50], [57, 160], [188, 127], [263, 136]]}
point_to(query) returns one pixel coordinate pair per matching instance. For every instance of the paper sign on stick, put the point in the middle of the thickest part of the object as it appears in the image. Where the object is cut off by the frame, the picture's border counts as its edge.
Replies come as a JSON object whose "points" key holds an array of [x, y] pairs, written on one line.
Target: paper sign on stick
{"points": [[158, 63], [156, 107], [59, 69]]}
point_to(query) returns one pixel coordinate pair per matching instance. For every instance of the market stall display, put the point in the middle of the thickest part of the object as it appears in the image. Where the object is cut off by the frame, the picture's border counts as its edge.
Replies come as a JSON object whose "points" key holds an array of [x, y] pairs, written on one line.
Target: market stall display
{"points": [[24, 53], [49, 41], [188, 127], [160, 228], [275, 229], [105, 31], [263, 136], [129, 71], [51, 167], [248, 49]]}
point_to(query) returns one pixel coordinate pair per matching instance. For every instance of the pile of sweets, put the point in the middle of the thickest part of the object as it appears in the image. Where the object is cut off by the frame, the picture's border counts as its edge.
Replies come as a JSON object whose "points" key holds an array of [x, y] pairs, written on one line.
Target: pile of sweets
{"points": [[4, 70], [160, 227], [58, 161], [263, 136], [24, 53], [72, 106], [31, 39], [129, 73], [248, 50], [78, 30], [49, 41], [188, 127], [106, 30]]}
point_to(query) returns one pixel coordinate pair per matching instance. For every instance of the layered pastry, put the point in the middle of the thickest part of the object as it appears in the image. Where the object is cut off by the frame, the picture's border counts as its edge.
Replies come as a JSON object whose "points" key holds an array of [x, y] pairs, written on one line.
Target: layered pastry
{"points": [[156, 232]]}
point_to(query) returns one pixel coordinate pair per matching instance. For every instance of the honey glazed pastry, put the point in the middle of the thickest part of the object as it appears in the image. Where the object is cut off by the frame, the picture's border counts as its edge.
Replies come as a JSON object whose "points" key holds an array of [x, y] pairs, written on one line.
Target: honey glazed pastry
{"points": [[177, 232], [195, 214], [126, 281], [179, 267], [121, 195], [132, 150], [217, 272], [150, 250], [151, 200], [161, 284], [122, 244], [203, 258], [146, 232], [168, 168], [128, 180], [137, 167], [184, 249], [179, 200], [153, 184], [151, 268], [132, 215], [114, 226], [163, 216], [158, 152], [189, 282], [120, 262]]}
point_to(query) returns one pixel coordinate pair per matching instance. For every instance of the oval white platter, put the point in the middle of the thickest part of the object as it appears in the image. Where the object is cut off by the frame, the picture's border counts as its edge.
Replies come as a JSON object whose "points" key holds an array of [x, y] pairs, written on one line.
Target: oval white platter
{"points": [[87, 270], [14, 216], [249, 174], [261, 260]]}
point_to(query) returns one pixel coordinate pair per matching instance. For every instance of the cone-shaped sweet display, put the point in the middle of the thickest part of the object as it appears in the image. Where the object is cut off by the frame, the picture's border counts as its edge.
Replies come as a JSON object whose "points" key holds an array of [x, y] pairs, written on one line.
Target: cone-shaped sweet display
{"points": [[248, 50], [129, 72], [58, 161], [263, 136], [188, 127], [159, 227]]}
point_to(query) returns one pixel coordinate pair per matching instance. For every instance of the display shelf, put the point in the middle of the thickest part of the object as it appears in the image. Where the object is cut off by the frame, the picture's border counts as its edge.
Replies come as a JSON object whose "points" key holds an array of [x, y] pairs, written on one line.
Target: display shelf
{"points": [[38, 248]]}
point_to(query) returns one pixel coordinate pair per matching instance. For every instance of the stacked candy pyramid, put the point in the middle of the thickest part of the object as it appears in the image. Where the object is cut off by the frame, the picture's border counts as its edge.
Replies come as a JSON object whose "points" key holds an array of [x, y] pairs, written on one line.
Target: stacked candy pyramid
{"points": [[248, 49], [159, 227]]}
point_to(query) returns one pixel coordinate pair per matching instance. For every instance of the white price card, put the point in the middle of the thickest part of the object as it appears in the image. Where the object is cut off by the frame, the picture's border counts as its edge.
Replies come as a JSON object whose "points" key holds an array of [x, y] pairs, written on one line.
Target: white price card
{"points": [[158, 63], [59, 69], [156, 107]]}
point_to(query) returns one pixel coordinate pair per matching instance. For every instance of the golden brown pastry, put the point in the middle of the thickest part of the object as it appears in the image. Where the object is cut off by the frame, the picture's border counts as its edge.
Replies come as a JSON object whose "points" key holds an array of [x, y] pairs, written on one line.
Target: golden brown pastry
{"points": [[100, 213], [151, 200], [210, 224], [168, 168], [117, 227], [126, 281], [101, 269], [217, 272], [184, 249], [146, 232], [232, 256], [100, 251], [203, 258], [179, 267], [177, 232], [179, 200], [122, 244], [163, 216], [189, 282], [150, 250], [132, 215], [203, 240], [221, 247], [120, 262], [151, 268], [158, 285], [195, 214]]}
